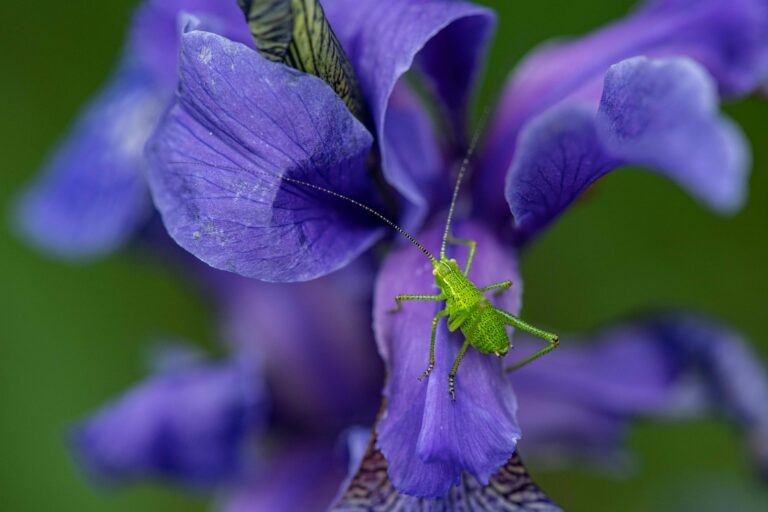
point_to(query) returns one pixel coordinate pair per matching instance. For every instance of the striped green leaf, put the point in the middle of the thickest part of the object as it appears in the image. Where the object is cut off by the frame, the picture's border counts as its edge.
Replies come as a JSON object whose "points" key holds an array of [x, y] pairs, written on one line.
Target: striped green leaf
{"points": [[297, 33]]}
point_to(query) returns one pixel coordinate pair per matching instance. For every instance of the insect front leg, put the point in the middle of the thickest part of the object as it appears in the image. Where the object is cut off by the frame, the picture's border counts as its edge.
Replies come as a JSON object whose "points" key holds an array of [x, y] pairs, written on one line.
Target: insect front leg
{"points": [[472, 248], [515, 322], [432, 343], [499, 287], [400, 298]]}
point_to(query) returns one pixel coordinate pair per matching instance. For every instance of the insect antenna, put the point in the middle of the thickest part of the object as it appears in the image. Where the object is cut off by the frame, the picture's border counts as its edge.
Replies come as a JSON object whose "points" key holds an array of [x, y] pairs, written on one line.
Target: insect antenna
{"points": [[459, 178], [337, 195]]}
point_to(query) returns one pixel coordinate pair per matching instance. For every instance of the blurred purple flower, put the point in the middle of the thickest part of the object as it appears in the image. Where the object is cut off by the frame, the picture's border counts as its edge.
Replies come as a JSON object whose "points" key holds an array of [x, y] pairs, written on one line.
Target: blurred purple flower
{"points": [[241, 122], [91, 197], [672, 366], [189, 423], [313, 340]]}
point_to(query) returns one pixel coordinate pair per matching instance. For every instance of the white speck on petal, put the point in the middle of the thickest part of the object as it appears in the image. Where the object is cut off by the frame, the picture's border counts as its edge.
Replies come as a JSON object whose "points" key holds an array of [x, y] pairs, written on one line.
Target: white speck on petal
{"points": [[205, 55]]}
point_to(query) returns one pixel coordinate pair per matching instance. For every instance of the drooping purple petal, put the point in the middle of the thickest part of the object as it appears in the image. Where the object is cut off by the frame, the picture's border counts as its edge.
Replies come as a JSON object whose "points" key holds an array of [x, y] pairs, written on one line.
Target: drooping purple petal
{"points": [[672, 366], [445, 40], [155, 34], [429, 440], [663, 114], [732, 378], [188, 425], [559, 156], [314, 341], [303, 477], [729, 38], [240, 124], [91, 198], [579, 400], [657, 113]]}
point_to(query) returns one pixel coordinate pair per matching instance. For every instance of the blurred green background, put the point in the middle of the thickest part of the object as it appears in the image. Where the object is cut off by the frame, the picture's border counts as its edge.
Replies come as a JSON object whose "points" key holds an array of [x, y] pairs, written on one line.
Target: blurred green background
{"points": [[71, 337]]}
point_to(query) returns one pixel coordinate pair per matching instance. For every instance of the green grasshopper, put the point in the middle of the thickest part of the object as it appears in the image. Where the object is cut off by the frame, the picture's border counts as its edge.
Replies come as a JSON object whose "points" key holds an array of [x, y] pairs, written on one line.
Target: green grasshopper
{"points": [[483, 325]]}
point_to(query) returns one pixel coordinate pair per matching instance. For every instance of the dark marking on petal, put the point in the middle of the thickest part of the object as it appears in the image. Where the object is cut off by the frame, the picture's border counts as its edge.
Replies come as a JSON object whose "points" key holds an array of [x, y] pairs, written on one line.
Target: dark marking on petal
{"points": [[510, 489]]}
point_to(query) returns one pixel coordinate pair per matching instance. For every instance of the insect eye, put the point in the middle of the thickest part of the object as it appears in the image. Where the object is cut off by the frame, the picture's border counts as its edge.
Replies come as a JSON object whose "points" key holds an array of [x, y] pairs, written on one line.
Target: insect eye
{"points": [[453, 260]]}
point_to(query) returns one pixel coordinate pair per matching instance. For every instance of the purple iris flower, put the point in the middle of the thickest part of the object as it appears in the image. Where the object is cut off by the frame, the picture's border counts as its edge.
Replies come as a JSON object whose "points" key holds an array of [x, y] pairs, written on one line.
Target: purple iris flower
{"points": [[240, 123], [91, 198]]}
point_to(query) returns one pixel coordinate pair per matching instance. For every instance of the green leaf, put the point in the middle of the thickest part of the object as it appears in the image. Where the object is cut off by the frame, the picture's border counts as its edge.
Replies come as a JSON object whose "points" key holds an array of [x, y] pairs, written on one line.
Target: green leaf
{"points": [[271, 25], [297, 33]]}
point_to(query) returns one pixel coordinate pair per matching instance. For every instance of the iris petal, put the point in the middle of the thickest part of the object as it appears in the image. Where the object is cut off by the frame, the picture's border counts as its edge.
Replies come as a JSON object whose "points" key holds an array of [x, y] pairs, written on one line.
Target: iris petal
{"points": [[188, 425], [91, 198], [428, 439], [445, 40], [240, 125], [660, 113]]}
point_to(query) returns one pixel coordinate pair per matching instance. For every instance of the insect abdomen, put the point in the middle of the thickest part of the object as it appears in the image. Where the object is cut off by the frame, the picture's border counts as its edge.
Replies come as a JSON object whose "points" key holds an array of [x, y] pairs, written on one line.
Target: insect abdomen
{"points": [[486, 331]]}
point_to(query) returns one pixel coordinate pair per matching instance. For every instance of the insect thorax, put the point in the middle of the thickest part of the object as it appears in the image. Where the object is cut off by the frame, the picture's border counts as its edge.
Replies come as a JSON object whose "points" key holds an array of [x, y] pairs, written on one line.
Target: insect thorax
{"points": [[458, 289]]}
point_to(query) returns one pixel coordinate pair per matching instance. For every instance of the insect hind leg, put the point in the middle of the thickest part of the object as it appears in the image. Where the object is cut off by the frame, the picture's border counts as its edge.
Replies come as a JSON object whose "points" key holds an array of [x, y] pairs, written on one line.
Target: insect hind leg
{"points": [[553, 339]]}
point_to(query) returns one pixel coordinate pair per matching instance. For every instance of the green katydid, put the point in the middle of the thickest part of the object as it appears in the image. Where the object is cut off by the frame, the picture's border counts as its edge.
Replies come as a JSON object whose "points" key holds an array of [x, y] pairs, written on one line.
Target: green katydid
{"points": [[482, 324]]}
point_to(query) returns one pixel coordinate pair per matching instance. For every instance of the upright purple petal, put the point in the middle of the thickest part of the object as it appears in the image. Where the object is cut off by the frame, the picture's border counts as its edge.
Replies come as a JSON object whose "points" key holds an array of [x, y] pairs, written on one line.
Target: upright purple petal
{"points": [[658, 113], [240, 124], [729, 38], [91, 197], [429, 440], [188, 425], [155, 34], [445, 40], [412, 139]]}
